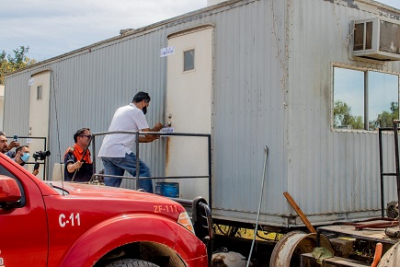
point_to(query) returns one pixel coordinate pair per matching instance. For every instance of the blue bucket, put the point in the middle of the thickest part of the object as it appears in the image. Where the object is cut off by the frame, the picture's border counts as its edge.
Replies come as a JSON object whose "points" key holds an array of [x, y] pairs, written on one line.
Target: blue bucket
{"points": [[167, 189]]}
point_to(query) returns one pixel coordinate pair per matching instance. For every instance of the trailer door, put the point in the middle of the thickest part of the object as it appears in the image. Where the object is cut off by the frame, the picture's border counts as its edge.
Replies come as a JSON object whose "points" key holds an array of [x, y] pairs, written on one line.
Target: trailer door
{"points": [[189, 107], [39, 114]]}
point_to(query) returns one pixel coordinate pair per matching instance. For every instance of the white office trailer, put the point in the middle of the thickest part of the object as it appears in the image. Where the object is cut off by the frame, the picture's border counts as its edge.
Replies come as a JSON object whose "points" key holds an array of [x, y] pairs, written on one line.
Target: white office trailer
{"points": [[310, 80]]}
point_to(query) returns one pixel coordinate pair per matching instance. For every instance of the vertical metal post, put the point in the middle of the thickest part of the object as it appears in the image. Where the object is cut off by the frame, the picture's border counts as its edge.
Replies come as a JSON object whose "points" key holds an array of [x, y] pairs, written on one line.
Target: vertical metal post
{"points": [[137, 160], [396, 152], [381, 171], [366, 101], [45, 161], [94, 153], [209, 172]]}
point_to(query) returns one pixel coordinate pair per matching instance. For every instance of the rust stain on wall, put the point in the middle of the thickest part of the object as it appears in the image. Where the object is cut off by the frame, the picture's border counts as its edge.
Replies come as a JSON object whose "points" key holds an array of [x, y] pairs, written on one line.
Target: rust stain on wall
{"points": [[167, 151]]}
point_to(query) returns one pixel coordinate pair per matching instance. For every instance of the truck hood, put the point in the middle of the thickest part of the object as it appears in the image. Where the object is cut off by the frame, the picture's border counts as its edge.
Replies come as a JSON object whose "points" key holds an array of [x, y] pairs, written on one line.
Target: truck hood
{"points": [[110, 200], [102, 191]]}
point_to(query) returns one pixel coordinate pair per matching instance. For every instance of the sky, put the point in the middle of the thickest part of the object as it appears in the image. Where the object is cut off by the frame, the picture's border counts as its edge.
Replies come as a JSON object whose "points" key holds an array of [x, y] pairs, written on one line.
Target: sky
{"points": [[54, 27]]}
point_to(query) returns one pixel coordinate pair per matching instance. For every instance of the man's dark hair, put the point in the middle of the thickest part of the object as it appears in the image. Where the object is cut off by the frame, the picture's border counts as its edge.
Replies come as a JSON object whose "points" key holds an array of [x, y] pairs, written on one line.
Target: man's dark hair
{"points": [[80, 132], [2, 133], [140, 96], [20, 148]]}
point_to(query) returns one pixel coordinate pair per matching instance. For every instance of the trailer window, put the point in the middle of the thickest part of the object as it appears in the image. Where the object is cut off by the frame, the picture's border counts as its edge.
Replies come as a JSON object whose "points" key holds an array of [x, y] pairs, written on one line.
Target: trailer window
{"points": [[188, 60], [364, 99], [39, 92]]}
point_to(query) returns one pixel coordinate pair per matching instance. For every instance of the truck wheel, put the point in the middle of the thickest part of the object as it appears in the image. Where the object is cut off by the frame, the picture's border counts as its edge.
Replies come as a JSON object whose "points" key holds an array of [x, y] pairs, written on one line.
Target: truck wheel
{"points": [[131, 263]]}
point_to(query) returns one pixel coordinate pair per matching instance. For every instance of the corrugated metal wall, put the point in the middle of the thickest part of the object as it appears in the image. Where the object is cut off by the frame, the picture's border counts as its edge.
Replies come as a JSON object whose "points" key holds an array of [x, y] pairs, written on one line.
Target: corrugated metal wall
{"points": [[92, 85], [16, 104], [89, 86], [248, 111], [331, 173], [263, 96]]}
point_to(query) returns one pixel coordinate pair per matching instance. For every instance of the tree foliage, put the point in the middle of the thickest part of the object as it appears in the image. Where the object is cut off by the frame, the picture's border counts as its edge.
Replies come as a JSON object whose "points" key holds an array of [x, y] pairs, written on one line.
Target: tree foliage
{"points": [[385, 119], [9, 63], [343, 117]]}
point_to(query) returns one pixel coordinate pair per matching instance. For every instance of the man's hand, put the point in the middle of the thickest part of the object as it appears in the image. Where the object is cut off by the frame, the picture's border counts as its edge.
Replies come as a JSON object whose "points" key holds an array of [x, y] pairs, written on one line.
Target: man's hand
{"points": [[157, 127], [12, 145], [78, 164], [74, 166], [148, 138], [35, 172], [152, 137]]}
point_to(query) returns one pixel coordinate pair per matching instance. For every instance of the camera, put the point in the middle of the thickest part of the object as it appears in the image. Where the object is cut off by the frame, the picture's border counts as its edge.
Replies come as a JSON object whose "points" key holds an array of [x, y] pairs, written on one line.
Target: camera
{"points": [[41, 155]]}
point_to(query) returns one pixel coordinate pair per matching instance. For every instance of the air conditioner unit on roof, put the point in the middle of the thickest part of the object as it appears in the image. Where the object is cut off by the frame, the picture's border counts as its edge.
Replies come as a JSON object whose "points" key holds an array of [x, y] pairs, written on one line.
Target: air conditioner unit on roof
{"points": [[377, 39]]}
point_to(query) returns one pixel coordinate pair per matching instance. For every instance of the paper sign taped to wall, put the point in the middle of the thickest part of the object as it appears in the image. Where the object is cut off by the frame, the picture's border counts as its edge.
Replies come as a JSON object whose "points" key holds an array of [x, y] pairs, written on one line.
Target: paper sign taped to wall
{"points": [[166, 130], [170, 50], [31, 81]]}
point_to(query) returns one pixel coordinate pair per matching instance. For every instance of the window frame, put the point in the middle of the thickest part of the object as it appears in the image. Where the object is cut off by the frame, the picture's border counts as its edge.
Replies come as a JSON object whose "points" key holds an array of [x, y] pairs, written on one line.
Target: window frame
{"points": [[366, 70], [39, 92], [194, 59]]}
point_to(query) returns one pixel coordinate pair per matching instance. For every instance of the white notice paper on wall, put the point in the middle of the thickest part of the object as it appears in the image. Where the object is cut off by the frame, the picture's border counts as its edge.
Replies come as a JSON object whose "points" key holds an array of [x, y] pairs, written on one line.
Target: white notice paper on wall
{"points": [[166, 130], [170, 50], [31, 81]]}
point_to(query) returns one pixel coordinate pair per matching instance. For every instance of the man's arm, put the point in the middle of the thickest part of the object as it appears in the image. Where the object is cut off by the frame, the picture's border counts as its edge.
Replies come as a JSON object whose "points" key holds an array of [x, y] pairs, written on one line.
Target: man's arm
{"points": [[70, 161], [12, 145], [10, 154], [71, 167], [148, 138]]}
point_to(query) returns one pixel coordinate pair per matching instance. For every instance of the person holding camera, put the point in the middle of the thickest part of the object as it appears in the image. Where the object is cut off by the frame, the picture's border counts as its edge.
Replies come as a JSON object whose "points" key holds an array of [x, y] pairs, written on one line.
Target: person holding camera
{"points": [[77, 160], [21, 156]]}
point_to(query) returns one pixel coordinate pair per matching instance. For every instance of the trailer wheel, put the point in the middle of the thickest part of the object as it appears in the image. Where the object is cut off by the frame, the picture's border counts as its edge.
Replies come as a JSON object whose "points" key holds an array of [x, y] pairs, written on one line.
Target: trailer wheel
{"points": [[131, 263], [287, 251], [391, 257], [392, 211]]}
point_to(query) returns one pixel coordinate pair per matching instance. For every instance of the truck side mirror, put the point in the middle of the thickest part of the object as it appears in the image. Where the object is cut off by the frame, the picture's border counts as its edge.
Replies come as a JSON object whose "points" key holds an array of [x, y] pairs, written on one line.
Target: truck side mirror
{"points": [[9, 191]]}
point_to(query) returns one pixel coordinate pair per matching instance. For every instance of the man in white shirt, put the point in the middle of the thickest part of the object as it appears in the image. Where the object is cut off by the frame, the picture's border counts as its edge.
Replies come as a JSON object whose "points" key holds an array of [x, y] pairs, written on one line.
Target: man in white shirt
{"points": [[116, 150]]}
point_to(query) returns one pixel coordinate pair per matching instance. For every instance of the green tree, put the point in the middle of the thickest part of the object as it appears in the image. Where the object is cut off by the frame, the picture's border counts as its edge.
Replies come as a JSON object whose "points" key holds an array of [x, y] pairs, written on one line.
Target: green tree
{"points": [[10, 63], [343, 118], [385, 119]]}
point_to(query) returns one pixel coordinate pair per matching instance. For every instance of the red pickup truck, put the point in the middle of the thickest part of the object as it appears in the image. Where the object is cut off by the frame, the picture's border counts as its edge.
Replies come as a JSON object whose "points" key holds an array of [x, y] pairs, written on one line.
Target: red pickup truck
{"points": [[77, 225]]}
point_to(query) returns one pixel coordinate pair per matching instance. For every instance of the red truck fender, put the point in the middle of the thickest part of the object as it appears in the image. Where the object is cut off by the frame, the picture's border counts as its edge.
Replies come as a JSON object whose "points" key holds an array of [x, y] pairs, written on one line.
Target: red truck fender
{"points": [[131, 228]]}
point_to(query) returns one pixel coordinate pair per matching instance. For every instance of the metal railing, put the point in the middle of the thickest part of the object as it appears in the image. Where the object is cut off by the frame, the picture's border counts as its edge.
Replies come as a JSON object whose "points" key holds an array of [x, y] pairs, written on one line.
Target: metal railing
{"points": [[382, 173], [137, 153]]}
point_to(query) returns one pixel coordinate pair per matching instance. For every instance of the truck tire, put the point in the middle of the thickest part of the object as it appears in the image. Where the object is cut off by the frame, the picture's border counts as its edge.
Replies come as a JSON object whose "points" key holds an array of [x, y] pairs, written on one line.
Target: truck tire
{"points": [[131, 263]]}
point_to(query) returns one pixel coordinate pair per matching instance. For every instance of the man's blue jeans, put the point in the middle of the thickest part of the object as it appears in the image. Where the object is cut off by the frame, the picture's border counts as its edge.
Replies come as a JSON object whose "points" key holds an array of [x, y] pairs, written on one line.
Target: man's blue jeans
{"points": [[117, 166]]}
